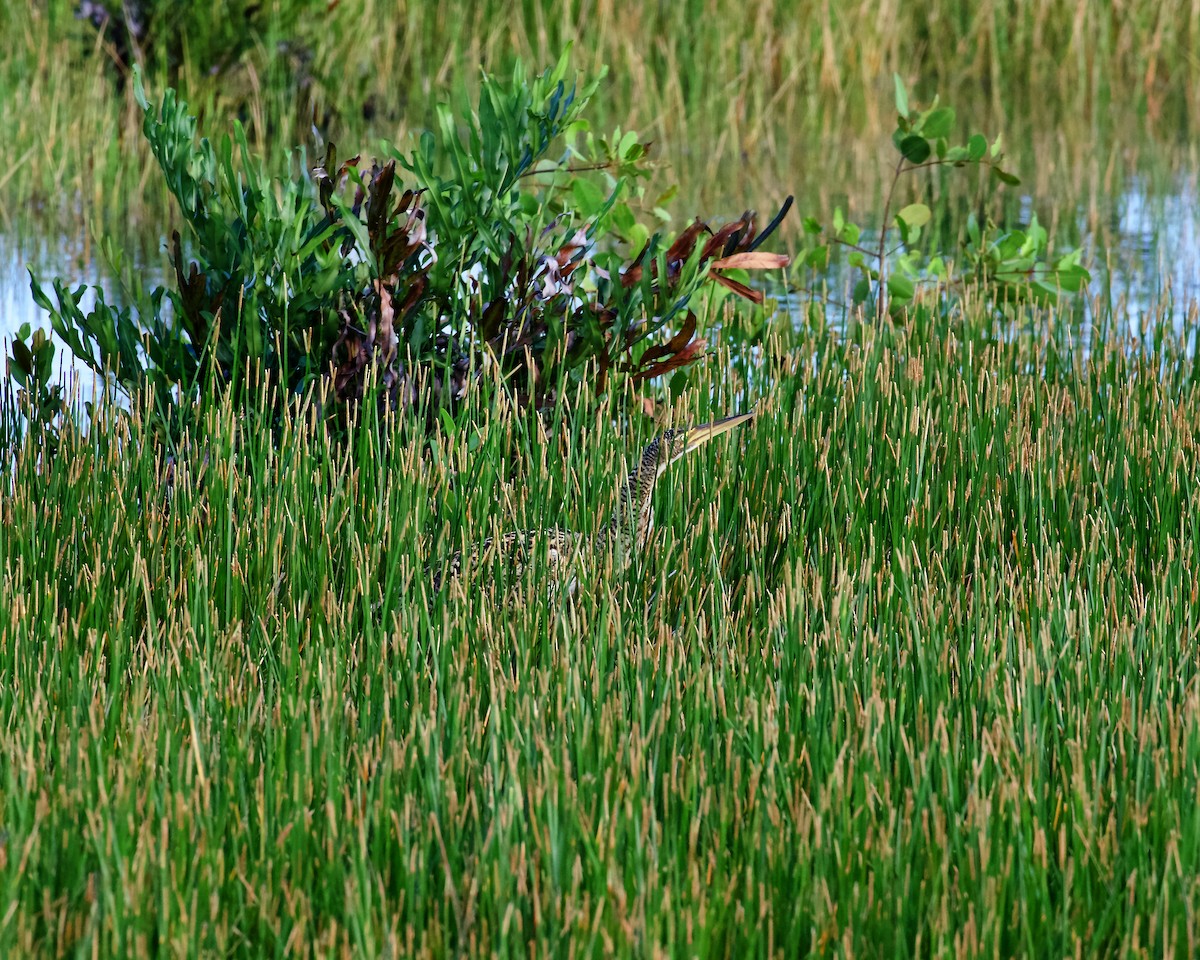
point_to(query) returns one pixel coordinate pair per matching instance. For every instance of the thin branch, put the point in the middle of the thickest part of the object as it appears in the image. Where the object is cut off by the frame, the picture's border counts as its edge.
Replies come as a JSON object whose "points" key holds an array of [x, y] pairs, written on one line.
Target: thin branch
{"points": [[854, 246], [583, 168], [943, 162], [887, 208]]}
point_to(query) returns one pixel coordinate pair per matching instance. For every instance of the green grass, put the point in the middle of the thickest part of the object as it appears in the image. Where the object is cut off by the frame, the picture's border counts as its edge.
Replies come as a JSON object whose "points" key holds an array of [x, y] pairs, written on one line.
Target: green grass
{"points": [[911, 670], [793, 99]]}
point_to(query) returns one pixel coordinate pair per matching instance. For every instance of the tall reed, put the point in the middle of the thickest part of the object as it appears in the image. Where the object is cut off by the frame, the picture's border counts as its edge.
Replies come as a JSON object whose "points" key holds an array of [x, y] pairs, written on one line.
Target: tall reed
{"points": [[910, 668], [788, 99]]}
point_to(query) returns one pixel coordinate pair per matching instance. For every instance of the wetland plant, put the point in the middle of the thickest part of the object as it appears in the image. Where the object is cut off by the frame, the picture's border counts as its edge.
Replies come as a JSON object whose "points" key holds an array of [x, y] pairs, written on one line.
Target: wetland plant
{"points": [[896, 268], [515, 244]]}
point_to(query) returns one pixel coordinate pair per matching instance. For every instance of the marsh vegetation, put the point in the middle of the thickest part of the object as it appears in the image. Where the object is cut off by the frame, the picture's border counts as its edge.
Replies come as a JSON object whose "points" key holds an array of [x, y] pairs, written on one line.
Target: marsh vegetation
{"points": [[909, 666]]}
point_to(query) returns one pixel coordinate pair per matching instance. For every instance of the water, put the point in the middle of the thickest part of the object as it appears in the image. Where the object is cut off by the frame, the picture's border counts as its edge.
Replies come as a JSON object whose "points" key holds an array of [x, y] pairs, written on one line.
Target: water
{"points": [[1144, 255], [1157, 253], [76, 262]]}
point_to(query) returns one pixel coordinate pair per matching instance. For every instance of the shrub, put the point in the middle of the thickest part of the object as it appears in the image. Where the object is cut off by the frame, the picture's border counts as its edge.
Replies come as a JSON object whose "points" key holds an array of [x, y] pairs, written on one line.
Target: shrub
{"points": [[1007, 265], [497, 252]]}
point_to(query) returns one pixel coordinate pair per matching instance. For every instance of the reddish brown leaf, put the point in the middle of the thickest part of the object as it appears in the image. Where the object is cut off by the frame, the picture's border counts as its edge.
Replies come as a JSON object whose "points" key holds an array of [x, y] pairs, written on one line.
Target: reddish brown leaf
{"points": [[377, 215], [676, 344], [689, 354], [685, 243], [719, 240], [752, 261], [754, 296]]}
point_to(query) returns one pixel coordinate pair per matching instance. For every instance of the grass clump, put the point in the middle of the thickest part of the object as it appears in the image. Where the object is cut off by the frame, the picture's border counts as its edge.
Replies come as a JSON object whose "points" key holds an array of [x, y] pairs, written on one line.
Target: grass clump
{"points": [[911, 670]]}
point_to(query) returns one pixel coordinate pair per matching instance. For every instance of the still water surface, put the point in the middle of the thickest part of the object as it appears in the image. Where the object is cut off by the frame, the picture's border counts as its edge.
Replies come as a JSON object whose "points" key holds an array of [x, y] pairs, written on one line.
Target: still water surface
{"points": [[1145, 261]]}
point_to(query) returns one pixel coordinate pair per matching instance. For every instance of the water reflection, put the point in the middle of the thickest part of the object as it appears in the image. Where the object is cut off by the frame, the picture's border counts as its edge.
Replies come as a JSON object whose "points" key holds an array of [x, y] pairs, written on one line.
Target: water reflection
{"points": [[1144, 257], [73, 260], [1144, 254], [1157, 256]]}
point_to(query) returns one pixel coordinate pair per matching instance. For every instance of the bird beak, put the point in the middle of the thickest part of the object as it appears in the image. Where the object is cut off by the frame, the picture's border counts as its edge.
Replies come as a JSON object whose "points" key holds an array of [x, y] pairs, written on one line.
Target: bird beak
{"points": [[698, 436]]}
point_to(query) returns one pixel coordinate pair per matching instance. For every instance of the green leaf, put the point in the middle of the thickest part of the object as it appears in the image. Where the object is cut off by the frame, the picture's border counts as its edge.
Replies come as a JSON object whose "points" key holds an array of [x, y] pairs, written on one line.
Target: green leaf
{"points": [[1016, 266], [915, 148], [839, 220], [678, 384], [908, 264], [1005, 177], [811, 225], [639, 236], [39, 295], [976, 147], [850, 233], [997, 146], [358, 230], [939, 123], [624, 219], [818, 257], [901, 96], [628, 142], [973, 233], [1072, 279], [861, 291], [22, 357], [560, 68], [1037, 234], [1009, 245], [44, 353], [901, 287], [915, 215], [589, 198], [1046, 292], [139, 90]]}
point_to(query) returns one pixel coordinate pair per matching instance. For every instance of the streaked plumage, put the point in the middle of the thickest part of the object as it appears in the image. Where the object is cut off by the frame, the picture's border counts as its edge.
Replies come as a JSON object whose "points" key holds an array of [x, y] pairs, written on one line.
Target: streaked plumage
{"points": [[625, 534]]}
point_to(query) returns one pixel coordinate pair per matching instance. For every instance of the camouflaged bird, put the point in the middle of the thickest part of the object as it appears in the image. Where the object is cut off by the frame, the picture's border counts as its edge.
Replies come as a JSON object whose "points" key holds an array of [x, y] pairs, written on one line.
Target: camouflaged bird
{"points": [[626, 534]]}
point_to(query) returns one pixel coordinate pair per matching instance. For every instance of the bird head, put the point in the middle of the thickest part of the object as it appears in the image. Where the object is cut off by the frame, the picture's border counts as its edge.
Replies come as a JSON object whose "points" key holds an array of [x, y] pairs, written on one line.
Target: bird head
{"points": [[680, 441]]}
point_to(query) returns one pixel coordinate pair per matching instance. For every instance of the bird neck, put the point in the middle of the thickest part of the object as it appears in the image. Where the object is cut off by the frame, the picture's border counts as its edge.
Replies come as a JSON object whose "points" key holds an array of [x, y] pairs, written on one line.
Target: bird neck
{"points": [[631, 521]]}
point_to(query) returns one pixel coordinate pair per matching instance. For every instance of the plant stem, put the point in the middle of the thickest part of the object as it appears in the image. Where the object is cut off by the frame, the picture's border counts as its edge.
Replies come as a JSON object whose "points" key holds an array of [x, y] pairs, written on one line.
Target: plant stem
{"points": [[883, 229]]}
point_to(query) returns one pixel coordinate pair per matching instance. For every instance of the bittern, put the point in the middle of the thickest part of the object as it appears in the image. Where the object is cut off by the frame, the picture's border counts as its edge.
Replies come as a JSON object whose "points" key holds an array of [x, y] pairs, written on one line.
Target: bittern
{"points": [[625, 534]]}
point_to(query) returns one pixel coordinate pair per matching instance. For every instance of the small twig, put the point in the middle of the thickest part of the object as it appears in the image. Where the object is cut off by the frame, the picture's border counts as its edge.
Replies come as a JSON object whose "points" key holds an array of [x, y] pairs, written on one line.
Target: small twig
{"points": [[936, 163], [829, 301], [584, 168], [887, 208], [943, 162], [855, 246]]}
